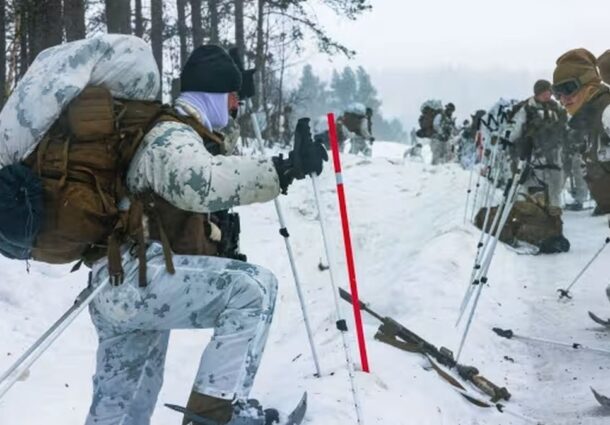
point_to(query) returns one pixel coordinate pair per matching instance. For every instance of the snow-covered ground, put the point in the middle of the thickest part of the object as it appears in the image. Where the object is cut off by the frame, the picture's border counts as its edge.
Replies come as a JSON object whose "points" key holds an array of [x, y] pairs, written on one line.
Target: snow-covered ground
{"points": [[414, 256]]}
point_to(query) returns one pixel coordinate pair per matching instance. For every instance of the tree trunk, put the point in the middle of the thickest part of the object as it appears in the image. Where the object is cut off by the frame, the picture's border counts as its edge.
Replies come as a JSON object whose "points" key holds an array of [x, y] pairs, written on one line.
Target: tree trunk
{"points": [[74, 13], [44, 22], [118, 16], [260, 50], [51, 16], [156, 35], [214, 21], [2, 51], [240, 39], [24, 58], [139, 30], [32, 23], [280, 103], [182, 31], [196, 23]]}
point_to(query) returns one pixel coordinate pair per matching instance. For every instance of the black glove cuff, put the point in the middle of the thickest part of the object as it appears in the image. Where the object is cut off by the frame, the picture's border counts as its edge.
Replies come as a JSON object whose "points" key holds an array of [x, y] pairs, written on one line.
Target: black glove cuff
{"points": [[284, 171]]}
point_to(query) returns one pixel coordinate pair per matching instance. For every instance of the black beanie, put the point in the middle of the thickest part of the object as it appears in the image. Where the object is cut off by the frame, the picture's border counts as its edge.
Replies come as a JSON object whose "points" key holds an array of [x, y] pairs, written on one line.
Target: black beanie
{"points": [[210, 69], [541, 86]]}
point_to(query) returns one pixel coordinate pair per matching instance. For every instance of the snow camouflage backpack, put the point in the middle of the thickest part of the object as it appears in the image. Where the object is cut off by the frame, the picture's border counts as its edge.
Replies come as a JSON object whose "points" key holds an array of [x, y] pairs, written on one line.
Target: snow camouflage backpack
{"points": [[352, 121], [76, 178], [531, 223]]}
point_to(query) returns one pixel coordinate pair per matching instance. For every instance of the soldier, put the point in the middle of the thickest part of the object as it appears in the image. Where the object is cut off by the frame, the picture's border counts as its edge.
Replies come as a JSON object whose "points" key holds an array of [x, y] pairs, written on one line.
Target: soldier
{"points": [[539, 127], [573, 169], [355, 121], [467, 154], [234, 298], [603, 63], [444, 130], [578, 85]]}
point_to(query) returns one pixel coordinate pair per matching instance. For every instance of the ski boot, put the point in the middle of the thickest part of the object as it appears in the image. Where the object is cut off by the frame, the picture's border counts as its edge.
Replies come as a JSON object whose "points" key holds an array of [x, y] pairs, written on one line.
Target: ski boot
{"points": [[207, 410], [574, 206]]}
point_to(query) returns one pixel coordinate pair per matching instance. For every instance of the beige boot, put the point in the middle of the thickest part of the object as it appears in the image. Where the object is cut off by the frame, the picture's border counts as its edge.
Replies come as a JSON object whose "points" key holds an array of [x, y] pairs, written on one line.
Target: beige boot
{"points": [[215, 409]]}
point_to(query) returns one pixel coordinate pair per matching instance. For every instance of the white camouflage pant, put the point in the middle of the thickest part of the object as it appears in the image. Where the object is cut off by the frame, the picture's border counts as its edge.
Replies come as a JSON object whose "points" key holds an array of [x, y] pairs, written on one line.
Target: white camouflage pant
{"points": [[235, 298], [440, 151], [578, 184], [359, 144]]}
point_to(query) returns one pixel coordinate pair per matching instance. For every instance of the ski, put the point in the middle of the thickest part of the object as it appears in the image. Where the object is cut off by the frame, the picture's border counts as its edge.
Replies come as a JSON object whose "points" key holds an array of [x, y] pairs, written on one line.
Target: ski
{"points": [[601, 399], [298, 413], [599, 320], [523, 248], [295, 417]]}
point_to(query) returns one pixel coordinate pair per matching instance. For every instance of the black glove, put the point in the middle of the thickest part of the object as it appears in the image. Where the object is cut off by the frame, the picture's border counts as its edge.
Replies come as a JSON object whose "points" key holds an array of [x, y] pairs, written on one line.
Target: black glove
{"points": [[304, 159]]}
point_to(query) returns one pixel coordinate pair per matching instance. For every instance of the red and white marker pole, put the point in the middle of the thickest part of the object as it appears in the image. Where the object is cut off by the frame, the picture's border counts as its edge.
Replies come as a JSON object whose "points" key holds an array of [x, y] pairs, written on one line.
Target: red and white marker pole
{"points": [[347, 240], [341, 323]]}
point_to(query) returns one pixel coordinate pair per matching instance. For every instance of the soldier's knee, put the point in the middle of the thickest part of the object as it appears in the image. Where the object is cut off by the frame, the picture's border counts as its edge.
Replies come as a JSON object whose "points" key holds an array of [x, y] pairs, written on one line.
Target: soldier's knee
{"points": [[255, 289], [268, 285]]}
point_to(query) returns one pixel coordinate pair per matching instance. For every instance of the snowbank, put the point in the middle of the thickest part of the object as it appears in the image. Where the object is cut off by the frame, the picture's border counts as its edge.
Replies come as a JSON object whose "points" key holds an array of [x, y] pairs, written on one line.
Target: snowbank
{"points": [[414, 257]]}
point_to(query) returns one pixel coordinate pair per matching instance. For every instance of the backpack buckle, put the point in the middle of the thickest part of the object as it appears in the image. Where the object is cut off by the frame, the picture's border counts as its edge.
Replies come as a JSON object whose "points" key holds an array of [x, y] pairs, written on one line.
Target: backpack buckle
{"points": [[117, 278]]}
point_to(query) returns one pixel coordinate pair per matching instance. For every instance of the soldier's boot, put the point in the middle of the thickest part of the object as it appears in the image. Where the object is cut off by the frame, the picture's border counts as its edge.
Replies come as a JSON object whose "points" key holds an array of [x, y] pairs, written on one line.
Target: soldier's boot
{"points": [[217, 411], [574, 206]]}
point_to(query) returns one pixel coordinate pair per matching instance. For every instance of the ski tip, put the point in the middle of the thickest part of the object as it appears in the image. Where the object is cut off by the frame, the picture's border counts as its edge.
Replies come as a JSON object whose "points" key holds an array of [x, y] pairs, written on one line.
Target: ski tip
{"points": [[601, 399], [298, 413], [599, 320]]}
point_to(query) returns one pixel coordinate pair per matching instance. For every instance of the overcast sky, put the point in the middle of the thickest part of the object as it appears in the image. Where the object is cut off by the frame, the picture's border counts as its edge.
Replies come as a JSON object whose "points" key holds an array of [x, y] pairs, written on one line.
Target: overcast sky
{"points": [[468, 51]]}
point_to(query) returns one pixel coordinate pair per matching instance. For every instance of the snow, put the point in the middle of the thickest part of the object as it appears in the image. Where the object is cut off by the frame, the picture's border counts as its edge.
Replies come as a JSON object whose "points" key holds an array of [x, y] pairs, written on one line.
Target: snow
{"points": [[413, 257]]}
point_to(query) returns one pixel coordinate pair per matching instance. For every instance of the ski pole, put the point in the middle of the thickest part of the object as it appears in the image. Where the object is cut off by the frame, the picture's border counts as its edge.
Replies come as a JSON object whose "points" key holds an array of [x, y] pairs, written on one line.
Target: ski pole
{"points": [[476, 192], [509, 334], [483, 239], [469, 190], [565, 293], [27, 359], [483, 251], [516, 183], [286, 236], [341, 323]]}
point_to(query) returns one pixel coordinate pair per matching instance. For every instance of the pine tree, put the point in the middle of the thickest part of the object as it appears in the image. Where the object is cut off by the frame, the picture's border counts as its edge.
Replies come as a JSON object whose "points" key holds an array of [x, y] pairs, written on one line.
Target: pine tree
{"points": [[344, 88], [366, 94], [310, 97]]}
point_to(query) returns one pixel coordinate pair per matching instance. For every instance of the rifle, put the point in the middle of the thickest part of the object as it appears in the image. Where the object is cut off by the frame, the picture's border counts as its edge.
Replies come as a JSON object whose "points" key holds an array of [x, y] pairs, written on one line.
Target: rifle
{"points": [[393, 333]]}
